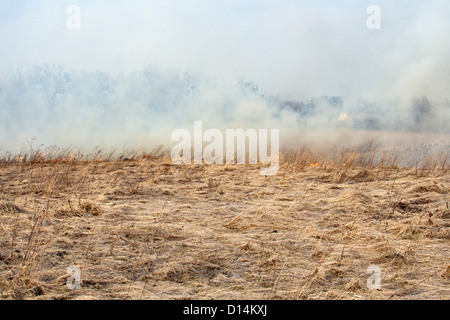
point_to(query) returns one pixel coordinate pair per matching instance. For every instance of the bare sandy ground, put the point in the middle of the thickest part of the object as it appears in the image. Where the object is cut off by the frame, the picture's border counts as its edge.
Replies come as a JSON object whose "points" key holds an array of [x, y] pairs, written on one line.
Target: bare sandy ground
{"points": [[148, 229]]}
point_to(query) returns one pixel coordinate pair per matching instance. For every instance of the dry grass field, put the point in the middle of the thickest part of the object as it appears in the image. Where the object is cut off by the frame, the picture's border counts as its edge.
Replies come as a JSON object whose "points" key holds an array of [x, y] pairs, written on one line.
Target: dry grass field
{"points": [[143, 228]]}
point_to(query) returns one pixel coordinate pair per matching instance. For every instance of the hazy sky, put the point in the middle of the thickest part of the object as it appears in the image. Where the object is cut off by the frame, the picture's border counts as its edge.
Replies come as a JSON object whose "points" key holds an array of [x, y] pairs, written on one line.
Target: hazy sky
{"points": [[291, 49], [295, 48]]}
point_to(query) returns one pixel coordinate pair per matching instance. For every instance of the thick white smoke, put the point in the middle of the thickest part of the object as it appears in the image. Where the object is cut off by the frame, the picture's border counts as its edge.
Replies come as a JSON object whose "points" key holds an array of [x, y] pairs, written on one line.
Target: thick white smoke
{"points": [[136, 71]]}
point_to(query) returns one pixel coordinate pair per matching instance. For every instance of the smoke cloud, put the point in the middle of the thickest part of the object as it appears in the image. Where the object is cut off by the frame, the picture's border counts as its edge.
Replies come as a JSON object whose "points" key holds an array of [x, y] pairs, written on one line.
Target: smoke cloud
{"points": [[136, 71]]}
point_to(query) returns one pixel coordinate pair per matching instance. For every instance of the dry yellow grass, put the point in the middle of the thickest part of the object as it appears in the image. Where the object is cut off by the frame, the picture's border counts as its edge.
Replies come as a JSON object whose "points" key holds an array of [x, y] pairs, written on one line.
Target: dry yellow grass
{"points": [[143, 228]]}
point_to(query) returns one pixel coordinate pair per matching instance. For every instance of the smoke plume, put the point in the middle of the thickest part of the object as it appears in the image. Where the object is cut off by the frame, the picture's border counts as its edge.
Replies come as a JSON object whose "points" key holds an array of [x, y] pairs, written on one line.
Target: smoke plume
{"points": [[136, 71]]}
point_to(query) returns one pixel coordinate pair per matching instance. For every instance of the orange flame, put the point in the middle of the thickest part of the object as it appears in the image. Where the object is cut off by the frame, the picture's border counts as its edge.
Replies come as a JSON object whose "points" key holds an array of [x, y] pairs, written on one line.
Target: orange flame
{"points": [[317, 164]]}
